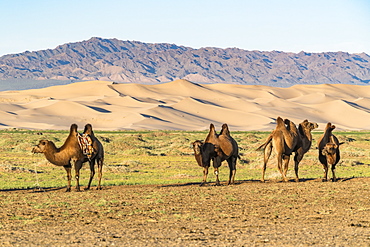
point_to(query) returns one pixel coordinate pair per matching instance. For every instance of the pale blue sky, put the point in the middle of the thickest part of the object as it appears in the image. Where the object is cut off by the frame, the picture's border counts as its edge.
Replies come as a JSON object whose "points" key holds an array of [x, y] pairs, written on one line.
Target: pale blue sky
{"points": [[283, 25]]}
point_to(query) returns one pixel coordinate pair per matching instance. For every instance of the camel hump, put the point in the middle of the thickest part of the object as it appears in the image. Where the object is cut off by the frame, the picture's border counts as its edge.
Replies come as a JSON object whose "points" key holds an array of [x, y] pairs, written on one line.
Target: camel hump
{"points": [[212, 135], [228, 145], [280, 123], [73, 128], [225, 130]]}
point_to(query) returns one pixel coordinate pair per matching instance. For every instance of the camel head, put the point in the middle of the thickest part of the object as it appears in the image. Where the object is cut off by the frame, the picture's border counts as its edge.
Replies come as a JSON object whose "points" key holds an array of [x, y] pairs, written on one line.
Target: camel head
{"points": [[305, 125], [197, 146], [329, 127], [330, 151], [42, 146]]}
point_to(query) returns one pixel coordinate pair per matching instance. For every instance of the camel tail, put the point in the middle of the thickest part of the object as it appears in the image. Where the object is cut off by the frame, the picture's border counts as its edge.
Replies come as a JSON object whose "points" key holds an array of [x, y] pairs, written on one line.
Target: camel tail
{"points": [[263, 146]]}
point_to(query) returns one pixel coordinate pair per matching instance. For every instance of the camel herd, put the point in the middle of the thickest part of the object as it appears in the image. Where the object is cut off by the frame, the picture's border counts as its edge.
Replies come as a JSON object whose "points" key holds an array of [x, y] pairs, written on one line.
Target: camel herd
{"points": [[284, 140]]}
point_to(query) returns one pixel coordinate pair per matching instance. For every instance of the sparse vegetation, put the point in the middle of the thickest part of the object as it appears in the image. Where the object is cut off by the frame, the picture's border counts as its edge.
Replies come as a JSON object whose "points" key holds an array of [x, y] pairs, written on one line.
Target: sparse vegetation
{"points": [[163, 157]]}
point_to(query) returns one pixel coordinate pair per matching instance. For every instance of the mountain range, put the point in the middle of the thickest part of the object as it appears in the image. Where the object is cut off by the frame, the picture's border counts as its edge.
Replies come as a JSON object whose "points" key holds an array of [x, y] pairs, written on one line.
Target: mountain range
{"points": [[152, 63]]}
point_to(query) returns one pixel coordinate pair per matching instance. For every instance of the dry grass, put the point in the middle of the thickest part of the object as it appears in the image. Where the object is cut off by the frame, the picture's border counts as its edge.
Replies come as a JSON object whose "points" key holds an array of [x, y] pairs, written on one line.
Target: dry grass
{"points": [[162, 157]]}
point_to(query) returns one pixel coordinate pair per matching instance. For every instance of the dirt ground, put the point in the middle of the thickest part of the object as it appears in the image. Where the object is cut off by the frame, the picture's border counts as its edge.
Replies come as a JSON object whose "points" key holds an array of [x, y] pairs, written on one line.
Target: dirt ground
{"points": [[250, 213]]}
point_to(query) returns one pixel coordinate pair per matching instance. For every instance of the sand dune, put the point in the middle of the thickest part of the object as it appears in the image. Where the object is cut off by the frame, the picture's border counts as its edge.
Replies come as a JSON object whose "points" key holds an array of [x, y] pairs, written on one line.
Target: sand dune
{"points": [[183, 105]]}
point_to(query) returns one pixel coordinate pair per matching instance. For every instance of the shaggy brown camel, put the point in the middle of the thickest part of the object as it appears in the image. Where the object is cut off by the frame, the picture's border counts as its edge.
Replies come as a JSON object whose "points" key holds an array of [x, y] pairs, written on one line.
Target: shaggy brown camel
{"points": [[304, 144], [97, 156], [284, 140], [329, 154], [67, 155], [218, 148]]}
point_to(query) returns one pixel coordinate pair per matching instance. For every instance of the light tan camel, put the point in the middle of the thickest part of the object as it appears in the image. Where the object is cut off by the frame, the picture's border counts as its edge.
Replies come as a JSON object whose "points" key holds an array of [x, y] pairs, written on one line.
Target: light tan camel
{"points": [[97, 156], [284, 140], [217, 148], [329, 154], [68, 155]]}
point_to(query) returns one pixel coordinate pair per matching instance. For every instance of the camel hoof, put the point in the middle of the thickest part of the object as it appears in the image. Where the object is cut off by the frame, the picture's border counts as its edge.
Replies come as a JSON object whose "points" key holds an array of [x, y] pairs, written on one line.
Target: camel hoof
{"points": [[297, 180], [99, 188], [87, 188], [262, 180]]}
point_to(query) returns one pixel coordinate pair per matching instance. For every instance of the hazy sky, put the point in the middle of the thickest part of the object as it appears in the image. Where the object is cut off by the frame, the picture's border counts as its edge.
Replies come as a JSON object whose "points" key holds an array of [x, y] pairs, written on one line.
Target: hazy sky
{"points": [[283, 25]]}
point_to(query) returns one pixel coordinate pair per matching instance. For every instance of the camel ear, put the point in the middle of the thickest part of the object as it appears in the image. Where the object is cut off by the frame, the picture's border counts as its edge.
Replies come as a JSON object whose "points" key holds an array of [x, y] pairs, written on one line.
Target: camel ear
{"points": [[211, 127]]}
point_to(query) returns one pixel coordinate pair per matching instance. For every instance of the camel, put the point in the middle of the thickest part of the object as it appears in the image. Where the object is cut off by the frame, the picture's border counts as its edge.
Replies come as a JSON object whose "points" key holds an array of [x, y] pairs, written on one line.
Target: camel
{"points": [[197, 147], [217, 148], [285, 140], [96, 156], [67, 155], [329, 154]]}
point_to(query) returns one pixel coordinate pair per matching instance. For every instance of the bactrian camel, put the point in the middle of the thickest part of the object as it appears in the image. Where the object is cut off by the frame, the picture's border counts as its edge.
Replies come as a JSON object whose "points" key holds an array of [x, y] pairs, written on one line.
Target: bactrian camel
{"points": [[217, 148], [96, 156], [68, 155], [329, 154], [285, 140]]}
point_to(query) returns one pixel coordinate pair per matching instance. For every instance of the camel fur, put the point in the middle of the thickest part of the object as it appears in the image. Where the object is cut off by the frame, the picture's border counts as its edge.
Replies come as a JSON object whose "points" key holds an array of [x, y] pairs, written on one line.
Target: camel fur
{"points": [[218, 148], [96, 157], [68, 155], [285, 140], [329, 154]]}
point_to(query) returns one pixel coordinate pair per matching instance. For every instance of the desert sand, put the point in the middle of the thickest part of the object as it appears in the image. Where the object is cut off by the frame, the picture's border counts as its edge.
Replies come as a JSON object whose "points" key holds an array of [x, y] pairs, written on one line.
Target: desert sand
{"points": [[183, 105]]}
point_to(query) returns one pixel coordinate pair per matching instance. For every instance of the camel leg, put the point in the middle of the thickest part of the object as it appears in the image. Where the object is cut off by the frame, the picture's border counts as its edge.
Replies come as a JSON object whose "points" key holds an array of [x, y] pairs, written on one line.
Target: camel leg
{"points": [[286, 159], [92, 173], [325, 172], [69, 177], [205, 174], [216, 164], [297, 160], [78, 165], [216, 174], [267, 154], [333, 171], [100, 172], [232, 166]]}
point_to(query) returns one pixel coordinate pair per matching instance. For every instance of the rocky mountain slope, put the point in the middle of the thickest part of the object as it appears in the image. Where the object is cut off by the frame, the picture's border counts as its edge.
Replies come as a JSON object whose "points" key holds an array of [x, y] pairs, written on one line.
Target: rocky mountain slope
{"points": [[133, 61]]}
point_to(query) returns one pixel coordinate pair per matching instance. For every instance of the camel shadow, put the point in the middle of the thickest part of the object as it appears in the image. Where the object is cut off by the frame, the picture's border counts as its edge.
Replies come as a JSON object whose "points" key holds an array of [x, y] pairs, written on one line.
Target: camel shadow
{"points": [[35, 189]]}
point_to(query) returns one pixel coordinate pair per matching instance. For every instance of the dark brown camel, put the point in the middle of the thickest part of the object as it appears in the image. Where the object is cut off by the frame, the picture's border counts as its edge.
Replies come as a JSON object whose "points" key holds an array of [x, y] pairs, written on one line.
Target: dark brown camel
{"points": [[285, 140], [68, 155], [217, 148], [329, 154], [97, 156]]}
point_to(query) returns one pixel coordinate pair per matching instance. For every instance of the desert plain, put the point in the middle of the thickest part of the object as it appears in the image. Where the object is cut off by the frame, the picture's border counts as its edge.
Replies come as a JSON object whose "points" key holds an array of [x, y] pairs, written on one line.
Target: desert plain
{"points": [[249, 213]]}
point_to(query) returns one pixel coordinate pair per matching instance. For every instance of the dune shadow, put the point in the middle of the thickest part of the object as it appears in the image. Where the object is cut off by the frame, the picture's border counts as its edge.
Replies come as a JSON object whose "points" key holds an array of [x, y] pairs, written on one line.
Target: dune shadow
{"points": [[99, 109]]}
